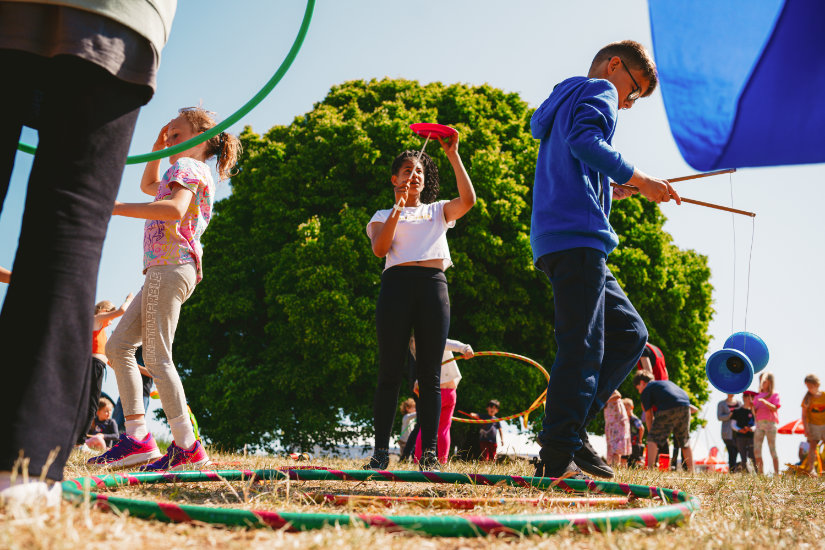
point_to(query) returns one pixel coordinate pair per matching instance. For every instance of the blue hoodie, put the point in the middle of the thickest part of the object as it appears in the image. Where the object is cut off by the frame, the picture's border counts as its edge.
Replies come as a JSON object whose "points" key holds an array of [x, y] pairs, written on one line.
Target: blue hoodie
{"points": [[575, 125]]}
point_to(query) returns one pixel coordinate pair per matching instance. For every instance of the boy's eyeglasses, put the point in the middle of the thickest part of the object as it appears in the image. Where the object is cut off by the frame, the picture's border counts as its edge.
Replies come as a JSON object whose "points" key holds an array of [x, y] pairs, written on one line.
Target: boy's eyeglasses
{"points": [[637, 91]]}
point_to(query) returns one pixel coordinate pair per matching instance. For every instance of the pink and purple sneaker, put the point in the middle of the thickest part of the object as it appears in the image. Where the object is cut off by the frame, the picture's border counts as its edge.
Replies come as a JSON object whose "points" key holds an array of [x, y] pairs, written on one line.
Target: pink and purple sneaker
{"points": [[128, 451], [179, 459]]}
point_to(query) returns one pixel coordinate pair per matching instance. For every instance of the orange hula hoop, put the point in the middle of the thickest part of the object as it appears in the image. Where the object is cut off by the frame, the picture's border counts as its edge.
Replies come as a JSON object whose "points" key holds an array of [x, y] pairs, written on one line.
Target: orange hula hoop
{"points": [[524, 414]]}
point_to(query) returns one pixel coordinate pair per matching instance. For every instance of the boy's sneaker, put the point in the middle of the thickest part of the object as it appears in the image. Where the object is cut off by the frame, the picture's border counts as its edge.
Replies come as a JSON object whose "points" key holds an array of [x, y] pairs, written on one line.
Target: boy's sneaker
{"points": [[179, 459], [589, 460], [128, 451], [429, 462], [553, 463]]}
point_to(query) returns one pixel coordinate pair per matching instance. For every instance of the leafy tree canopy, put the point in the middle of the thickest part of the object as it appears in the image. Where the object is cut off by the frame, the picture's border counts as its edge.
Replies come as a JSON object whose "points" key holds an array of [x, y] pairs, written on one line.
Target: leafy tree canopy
{"points": [[278, 343]]}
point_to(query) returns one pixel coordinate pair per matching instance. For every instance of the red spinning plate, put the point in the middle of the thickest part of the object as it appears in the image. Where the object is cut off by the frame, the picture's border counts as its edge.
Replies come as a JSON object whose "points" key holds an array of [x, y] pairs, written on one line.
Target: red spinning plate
{"points": [[432, 130]]}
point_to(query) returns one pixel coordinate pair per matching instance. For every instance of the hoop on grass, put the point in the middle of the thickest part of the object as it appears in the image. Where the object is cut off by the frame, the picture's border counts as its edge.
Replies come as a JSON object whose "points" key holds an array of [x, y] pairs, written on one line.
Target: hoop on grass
{"points": [[678, 507]]}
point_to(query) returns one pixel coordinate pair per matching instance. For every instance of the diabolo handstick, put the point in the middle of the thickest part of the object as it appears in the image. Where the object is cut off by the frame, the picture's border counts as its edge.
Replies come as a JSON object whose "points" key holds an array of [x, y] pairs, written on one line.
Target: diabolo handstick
{"points": [[702, 175], [693, 201]]}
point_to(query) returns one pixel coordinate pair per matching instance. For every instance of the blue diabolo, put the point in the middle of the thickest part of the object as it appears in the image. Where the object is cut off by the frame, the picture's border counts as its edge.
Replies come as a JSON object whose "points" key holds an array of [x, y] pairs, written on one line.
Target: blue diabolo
{"points": [[731, 369]]}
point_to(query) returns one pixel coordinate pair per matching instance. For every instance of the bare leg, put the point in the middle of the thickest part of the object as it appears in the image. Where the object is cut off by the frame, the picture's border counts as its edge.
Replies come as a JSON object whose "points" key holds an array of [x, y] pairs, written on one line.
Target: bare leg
{"points": [[652, 454], [687, 454]]}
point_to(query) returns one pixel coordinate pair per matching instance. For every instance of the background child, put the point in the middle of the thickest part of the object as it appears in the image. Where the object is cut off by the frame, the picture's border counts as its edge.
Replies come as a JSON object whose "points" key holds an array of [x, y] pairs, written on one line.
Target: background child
{"points": [[742, 422], [407, 424], [600, 335], [723, 412], [813, 417], [637, 432], [412, 235], [173, 264], [105, 313], [765, 407], [672, 406], [104, 431], [487, 432], [450, 377], [616, 429]]}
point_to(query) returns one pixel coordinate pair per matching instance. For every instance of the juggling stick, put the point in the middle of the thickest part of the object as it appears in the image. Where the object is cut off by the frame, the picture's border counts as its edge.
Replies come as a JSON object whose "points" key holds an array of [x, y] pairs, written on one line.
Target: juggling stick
{"points": [[692, 201], [702, 175]]}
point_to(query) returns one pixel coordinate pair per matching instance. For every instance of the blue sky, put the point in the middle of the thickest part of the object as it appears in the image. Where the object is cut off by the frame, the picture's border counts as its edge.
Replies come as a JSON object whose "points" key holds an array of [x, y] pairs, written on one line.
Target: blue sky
{"points": [[221, 57]]}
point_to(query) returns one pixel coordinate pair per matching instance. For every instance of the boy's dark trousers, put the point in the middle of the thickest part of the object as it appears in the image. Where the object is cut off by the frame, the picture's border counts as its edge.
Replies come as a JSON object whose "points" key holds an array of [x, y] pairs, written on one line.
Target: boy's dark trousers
{"points": [[744, 444], [600, 338], [98, 372], [85, 118]]}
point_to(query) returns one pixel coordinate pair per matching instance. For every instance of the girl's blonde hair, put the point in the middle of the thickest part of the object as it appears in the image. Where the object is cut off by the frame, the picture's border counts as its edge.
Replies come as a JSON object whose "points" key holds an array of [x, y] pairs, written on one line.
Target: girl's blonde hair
{"points": [[407, 405], [225, 146], [766, 375], [105, 305]]}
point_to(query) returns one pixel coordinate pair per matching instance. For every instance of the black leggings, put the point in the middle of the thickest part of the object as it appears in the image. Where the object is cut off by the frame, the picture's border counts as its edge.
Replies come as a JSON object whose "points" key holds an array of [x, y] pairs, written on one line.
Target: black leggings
{"points": [[412, 299], [84, 117]]}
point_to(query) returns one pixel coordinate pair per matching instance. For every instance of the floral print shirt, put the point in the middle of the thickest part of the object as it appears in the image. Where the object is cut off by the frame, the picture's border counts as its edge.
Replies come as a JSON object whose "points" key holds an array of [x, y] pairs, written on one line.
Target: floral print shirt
{"points": [[172, 242]]}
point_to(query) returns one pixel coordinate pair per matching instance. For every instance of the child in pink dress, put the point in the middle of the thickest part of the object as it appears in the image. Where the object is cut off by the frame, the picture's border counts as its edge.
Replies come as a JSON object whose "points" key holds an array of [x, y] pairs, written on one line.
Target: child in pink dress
{"points": [[616, 429]]}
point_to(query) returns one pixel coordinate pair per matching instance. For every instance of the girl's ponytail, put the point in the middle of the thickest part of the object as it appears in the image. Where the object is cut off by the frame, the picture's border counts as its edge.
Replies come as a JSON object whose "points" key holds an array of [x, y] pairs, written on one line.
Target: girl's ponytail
{"points": [[227, 151], [225, 147]]}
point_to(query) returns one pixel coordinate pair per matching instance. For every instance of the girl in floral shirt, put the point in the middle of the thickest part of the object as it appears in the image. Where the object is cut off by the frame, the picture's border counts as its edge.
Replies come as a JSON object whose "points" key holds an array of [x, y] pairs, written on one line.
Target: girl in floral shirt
{"points": [[616, 429], [173, 265]]}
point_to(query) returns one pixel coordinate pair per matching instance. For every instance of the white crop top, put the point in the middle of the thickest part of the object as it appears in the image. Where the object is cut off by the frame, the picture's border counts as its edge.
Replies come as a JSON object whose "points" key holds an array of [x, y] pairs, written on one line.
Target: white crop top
{"points": [[421, 234]]}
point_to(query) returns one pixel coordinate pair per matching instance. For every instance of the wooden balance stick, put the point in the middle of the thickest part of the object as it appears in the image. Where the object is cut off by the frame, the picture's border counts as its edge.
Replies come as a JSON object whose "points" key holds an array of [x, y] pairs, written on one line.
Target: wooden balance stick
{"points": [[692, 201], [702, 175]]}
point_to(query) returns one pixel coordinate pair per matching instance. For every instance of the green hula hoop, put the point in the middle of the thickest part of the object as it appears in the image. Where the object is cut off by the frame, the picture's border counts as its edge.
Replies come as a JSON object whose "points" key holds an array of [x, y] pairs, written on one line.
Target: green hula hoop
{"points": [[678, 507], [234, 117]]}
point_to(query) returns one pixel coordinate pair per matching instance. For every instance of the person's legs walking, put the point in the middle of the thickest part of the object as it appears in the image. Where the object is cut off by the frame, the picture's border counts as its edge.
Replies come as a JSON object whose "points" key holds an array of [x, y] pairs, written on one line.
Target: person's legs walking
{"points": [[758, 438], [85, 126], [393, 322], [431, 324], [733, 453], [625, 335], [167, 287], [578, 280], [445, 421]]}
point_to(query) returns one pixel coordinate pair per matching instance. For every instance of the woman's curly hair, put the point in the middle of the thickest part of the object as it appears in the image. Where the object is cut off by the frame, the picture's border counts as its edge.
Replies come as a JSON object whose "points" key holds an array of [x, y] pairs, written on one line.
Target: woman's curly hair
{"points": [[430, 192]]}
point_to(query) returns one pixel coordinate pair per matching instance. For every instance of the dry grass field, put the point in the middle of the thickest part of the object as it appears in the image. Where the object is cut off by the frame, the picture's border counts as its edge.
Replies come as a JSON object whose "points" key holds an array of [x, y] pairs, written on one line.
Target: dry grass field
{"points": [[737, 511]]}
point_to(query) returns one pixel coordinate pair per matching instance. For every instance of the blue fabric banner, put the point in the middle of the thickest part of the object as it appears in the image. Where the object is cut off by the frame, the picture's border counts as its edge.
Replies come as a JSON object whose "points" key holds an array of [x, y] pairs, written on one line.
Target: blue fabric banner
{"points": [[742, 80]]}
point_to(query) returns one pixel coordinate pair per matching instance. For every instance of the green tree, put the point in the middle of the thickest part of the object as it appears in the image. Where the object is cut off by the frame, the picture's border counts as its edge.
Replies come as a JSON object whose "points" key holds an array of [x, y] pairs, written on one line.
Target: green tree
{"points": [[278, 342]]}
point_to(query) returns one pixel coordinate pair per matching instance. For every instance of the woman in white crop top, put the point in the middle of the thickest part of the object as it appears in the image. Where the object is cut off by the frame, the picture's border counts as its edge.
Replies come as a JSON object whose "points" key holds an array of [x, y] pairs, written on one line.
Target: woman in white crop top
{"points": [[412, 236]]}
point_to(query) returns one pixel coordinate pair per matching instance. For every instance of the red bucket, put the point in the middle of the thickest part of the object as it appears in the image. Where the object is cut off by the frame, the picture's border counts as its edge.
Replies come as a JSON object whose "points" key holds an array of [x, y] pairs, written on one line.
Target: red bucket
{"points": [[664, 462]]}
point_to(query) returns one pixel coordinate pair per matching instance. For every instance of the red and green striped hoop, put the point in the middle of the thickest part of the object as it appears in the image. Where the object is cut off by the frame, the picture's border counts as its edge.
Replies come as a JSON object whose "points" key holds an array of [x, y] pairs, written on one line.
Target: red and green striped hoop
{"points": [[678, 507]]}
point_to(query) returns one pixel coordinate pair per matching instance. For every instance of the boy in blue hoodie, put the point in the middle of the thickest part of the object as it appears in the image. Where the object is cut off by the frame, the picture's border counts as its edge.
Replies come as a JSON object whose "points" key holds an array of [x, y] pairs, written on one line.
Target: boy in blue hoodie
{"points": [[599, 334]]}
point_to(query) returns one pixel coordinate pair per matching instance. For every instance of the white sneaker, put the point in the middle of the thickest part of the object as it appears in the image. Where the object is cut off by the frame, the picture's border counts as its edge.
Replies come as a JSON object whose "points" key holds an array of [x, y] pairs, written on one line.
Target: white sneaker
{"points": [[33, 495]]}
